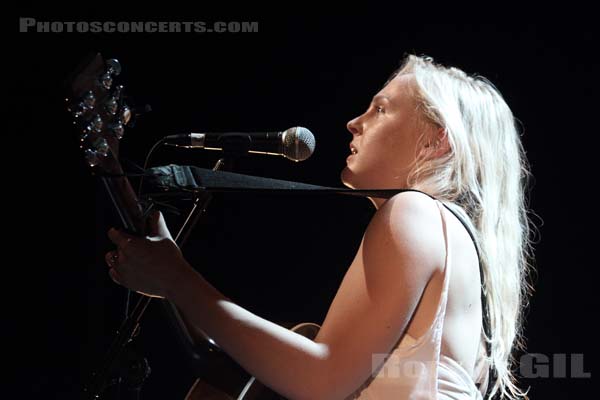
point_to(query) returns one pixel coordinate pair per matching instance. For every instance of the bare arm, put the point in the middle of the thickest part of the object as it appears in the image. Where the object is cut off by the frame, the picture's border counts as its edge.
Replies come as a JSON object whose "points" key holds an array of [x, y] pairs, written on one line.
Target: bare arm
{"points": [[287, 362], [370, 312]]}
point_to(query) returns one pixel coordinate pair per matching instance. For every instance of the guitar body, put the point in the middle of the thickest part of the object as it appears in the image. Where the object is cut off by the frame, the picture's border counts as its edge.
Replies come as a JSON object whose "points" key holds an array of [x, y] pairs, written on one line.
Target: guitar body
{"points": [[252, 389]]}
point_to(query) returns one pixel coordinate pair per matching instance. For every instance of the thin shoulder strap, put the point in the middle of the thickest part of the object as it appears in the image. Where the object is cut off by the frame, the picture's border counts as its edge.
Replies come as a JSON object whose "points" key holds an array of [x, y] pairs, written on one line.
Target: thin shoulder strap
{"points": [[486, 320]]}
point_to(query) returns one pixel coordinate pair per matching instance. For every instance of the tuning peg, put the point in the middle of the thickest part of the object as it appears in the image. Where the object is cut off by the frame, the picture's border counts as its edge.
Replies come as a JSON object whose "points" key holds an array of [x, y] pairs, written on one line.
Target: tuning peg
{"points": [[89, 100], [118, 92], [117, 129], [96, 124], [134, 113], [78, 109], [125, 114], [114, 66], [92, 157], [111, 106], [96, 152], [101, 146], [106, 80]]}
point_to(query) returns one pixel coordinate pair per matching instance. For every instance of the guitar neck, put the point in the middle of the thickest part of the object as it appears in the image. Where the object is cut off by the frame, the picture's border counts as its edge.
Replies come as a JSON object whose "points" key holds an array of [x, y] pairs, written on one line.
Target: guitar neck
{"points": [[100, 115], [126, 204]]}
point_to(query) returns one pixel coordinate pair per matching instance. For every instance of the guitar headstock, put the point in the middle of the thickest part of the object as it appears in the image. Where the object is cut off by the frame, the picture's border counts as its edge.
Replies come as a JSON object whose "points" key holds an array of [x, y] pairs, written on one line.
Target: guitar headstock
{"points": [[99, 112]]}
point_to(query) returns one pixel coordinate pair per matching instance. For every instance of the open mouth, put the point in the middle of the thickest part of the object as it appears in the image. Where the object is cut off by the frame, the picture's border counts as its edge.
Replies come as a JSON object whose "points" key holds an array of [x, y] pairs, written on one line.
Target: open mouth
{"points": [[353, 150]]}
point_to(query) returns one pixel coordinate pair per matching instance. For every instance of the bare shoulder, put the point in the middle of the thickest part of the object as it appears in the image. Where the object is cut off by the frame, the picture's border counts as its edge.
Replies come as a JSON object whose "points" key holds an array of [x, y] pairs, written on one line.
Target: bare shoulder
{"points": [[408, 226], [411, 219], [398, 256], [410, 204]]}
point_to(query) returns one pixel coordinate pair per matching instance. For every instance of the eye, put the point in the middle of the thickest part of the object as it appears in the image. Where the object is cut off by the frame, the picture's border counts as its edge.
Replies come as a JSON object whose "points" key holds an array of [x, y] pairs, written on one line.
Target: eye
{"points": [[379, 109]]}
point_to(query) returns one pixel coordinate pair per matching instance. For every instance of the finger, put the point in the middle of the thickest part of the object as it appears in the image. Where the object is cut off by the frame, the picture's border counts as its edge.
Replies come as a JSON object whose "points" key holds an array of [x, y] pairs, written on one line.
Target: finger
{"points": [[157, 225], [152, 221], [163, 230], [120, 238]]}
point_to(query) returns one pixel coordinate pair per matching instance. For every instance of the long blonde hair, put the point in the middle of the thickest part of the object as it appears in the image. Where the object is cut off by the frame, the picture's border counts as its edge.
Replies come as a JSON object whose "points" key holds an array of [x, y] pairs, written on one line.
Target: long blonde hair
{"points": [[484, 178]]}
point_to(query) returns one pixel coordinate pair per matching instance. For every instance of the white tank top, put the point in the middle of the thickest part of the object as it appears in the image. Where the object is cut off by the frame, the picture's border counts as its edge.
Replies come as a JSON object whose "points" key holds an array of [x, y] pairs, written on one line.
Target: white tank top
{"points": [[416, 369]]}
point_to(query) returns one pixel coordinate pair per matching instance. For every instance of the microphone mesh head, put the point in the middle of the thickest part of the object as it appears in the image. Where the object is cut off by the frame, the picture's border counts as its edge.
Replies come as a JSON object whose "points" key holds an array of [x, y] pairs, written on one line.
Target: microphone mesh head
{"points": [[298, 143]]}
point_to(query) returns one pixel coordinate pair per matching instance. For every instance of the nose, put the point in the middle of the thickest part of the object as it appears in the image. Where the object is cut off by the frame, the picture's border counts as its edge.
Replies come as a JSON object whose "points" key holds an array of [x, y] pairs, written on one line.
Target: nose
{"points": [[354, 126]]}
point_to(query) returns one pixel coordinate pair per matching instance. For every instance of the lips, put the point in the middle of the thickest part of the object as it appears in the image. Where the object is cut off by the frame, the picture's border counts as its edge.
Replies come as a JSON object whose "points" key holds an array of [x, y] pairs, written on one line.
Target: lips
{"points": [[353, 152]]}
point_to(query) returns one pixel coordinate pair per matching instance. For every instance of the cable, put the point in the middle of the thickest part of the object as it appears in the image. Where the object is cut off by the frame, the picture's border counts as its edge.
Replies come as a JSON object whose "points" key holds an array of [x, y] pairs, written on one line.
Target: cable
{"points": [[146, 163]]}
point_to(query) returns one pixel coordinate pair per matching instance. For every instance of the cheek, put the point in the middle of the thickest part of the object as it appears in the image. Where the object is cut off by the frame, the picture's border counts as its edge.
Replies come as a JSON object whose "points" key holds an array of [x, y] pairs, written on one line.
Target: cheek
{"points": [[386, 151], [371, 166]]}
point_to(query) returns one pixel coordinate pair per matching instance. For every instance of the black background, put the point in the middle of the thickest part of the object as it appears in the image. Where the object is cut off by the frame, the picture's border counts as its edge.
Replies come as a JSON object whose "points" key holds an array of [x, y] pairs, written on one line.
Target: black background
{"points": [[281, 258]]}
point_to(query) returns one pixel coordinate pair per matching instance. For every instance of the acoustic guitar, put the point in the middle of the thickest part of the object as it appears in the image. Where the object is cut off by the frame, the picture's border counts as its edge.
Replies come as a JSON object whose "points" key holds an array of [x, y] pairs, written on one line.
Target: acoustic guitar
{"points": [[100, 115]]}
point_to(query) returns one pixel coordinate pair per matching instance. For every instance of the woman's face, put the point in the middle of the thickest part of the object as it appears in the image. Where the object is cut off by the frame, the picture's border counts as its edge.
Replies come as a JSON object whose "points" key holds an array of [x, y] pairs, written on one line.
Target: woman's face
{"points": [[384, 139]]}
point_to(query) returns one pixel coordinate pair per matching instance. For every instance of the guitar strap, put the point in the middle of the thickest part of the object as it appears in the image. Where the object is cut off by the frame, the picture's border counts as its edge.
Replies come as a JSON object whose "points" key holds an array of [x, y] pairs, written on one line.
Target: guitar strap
{"points": [[183, 181]]}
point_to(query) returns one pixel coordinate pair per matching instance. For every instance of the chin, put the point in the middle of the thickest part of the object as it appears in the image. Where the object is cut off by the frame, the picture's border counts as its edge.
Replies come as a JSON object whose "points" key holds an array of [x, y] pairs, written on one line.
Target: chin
{"points": [[348, 178]]}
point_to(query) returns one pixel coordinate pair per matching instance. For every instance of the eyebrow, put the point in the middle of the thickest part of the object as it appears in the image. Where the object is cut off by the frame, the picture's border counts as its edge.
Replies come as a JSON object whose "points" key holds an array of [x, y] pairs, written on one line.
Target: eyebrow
{"points": [[381, 97]]}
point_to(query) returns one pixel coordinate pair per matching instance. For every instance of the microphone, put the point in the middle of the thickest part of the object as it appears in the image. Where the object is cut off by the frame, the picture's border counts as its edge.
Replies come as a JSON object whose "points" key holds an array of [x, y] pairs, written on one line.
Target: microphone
{"points": [[296, 144]]}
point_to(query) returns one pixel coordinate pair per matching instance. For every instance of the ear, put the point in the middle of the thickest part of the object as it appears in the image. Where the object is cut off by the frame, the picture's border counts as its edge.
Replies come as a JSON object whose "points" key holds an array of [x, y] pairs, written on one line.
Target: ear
{"points": [[439, 144]]}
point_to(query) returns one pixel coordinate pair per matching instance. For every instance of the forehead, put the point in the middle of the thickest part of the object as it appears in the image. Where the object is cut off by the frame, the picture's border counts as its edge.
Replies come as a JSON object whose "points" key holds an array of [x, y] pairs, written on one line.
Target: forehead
{"points": [[400, 89]]}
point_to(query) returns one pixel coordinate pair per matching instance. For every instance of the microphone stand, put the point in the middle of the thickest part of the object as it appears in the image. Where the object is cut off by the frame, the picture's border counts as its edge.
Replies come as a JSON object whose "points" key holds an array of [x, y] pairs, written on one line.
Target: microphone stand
{"points": [[138, 370]]}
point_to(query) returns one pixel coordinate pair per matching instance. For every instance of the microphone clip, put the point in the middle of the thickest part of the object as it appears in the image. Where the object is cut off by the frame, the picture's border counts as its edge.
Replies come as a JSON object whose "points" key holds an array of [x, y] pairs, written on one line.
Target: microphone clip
{"points": [[234, 145]]}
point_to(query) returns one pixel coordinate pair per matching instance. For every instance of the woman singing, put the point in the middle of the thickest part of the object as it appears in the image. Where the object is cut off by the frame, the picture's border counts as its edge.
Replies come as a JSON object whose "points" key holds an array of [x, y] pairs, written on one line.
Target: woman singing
{"points": [[431, 306]]}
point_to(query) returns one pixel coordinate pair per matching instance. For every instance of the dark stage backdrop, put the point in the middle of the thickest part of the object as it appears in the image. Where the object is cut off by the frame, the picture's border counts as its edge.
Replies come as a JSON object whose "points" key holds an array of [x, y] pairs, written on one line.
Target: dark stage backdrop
{"points": [[282, 258]]}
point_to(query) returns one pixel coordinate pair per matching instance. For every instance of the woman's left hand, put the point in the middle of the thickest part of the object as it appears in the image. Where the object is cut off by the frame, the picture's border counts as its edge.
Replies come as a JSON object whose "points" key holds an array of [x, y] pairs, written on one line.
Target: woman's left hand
{"points": [[151, 265]]}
